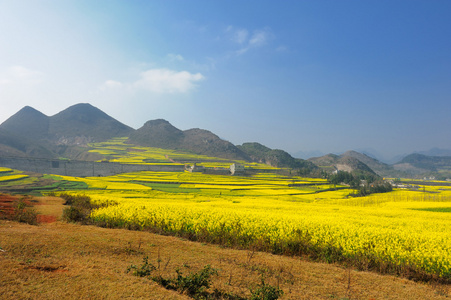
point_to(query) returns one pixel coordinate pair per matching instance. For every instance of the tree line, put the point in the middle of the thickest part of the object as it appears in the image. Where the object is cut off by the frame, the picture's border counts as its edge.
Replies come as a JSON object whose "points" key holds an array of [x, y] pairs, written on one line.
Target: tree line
{"points": [[365, 183]]}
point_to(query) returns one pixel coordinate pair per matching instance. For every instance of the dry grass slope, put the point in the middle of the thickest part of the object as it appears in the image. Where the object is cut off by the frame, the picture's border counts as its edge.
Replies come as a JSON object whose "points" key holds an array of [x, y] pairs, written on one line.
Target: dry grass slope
{"points": [[66, 261]]}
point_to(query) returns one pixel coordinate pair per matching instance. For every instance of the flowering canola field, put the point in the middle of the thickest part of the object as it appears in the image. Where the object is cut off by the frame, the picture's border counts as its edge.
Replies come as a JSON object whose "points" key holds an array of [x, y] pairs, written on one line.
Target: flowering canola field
{"points": [[405, 231], [397, 231], [117, 150]]}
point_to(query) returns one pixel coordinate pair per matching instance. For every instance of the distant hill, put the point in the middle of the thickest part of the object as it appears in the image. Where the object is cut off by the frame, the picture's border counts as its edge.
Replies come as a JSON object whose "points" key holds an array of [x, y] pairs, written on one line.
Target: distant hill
{"points": [[328, 160], [206, 143], [436, 152], [352, 164], [78, 124], [274, 157], [13, 145], [158, 133], [345, 162], [412, 166], [378, 167], [161, 134], [418, 165], [430, 163], [83, 123], [31, 133], [307, 154], [28, 123]]}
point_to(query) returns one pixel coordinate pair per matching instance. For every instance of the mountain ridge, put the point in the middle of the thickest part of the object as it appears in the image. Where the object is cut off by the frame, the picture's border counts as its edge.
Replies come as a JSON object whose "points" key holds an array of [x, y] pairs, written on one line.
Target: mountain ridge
{"points": [[161, 134], [275, 157], [29, 132], [427, 166], [28, 123], [83, 123], [78, 124], [345, 162]]}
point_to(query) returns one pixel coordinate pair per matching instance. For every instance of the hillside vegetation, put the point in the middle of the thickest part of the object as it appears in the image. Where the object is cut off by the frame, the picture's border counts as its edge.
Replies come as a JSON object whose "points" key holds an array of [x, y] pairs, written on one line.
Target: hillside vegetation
{"points": [[276, 158], [378, 167], [422, 165], [161, 134], [14, 145], [265, 210], [354, 161], [404, 232], [333, 163]]}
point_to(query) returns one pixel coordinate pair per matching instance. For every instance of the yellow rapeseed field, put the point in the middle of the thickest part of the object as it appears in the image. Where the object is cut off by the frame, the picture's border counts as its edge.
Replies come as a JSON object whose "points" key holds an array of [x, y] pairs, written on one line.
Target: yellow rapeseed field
{"points": [[401, 229], [12, 177]]}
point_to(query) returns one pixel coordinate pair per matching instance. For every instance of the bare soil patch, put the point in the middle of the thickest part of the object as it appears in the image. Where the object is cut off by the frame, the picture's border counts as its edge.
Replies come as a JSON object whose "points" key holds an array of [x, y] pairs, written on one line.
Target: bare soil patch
{"points": [[46, 219], [6, 205], [49, 209]]}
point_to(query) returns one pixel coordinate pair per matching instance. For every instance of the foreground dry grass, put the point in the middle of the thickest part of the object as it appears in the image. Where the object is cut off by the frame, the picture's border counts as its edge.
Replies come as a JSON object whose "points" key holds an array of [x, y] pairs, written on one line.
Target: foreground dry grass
{"points": [[67, 261]]}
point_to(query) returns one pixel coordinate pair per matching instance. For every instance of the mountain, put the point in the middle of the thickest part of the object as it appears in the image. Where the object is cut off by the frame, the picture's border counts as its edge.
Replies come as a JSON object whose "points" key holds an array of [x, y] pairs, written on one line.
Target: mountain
{"points": [[158, 133], [436, 152], [161, 134], [274, 157], [431, 163], [346, 162], [350, 164], [13, 145], [67, 134], [412, 166], [22, 134], [83, 123], [78, 124], [206, 143], [31, 133], [307, 154], [418, 165], [28, 123], [328, 160], [380, 168]]}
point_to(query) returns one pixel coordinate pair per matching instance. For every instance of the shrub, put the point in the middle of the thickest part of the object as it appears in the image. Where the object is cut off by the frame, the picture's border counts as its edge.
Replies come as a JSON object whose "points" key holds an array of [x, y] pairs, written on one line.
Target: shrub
{"points": [[24, 214], [79, 210], [73, 214], [265, 291], [82, 201], [144, 270], [195, 284]]}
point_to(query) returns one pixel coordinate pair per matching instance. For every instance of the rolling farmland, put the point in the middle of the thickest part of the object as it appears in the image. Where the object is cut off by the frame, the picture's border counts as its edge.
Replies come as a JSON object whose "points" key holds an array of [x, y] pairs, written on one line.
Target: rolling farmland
{"points": [[404, 232]]}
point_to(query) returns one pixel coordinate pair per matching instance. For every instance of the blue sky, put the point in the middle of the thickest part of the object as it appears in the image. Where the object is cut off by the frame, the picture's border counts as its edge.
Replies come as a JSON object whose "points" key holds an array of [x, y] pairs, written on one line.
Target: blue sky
{"points": [[294, 75]]}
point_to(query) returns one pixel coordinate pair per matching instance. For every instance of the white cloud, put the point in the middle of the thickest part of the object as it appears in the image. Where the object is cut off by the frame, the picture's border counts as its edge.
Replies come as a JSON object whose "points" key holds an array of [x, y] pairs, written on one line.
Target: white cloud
{"points": [[258, 39], [161, 81], [240, 36], [111, 84], [20, 86], [20, 75], [242, 51], [168, 81], [4, 81], [175, 57]]}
